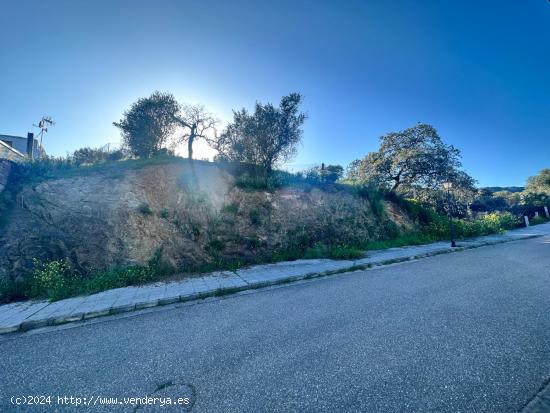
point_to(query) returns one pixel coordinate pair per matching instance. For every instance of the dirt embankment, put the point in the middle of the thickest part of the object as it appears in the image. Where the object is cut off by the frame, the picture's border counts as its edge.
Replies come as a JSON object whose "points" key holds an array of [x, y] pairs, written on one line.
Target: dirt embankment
{"points": [[189, 214]]}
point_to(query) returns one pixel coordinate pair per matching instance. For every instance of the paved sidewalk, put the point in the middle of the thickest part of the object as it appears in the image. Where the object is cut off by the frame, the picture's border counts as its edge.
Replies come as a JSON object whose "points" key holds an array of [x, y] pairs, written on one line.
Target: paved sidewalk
{"points": [[34, 314]]}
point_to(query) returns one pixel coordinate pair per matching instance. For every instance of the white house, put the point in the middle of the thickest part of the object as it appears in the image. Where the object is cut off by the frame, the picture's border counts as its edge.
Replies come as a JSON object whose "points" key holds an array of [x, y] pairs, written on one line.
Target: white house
{"points": [[15, 147]]}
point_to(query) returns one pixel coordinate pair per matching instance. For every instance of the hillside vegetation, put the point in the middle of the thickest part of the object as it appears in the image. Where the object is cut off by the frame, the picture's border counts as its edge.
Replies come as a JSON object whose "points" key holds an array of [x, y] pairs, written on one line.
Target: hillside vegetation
{"points": [[185, 216], [96, 220]]}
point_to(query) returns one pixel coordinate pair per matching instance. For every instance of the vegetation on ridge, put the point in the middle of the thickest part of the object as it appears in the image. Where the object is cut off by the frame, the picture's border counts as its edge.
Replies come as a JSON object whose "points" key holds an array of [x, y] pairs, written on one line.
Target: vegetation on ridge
{"points": [[403, 178]]}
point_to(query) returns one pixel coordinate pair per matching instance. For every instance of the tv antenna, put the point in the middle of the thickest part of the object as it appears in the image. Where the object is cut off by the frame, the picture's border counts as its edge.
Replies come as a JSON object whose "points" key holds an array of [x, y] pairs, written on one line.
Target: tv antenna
{"points": [[43, 125]]}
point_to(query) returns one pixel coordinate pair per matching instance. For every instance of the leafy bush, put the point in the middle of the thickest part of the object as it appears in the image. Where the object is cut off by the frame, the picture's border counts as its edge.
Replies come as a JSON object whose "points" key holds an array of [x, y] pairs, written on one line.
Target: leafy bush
{"points": [[12, 290], [317, 251], [419, 213], [115, 278], [91, 156], [390, 229], [501, 221], [55, 280], [164, 213], [255, 216], [215, 246], [345, 252], [52, 167], [51, 279], [537, 220], [411, 238], [324, 174], [45, 167], [232, 208], [374, 195], [144, 208], [488, 224], [438, 228], [338, 252], [492, 223], [252, 178], [252, 183]]}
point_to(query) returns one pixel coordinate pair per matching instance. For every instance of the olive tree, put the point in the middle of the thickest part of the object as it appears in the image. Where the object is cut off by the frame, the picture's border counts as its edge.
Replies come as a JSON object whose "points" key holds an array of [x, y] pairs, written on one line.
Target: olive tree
{"points": [[148, 125], [267, 137]]}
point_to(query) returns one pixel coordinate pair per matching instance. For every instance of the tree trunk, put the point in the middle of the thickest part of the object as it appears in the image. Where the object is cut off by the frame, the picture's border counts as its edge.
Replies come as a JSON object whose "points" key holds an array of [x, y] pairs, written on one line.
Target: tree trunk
{"points": [[190, 146], [397, 180], [395, 185]]}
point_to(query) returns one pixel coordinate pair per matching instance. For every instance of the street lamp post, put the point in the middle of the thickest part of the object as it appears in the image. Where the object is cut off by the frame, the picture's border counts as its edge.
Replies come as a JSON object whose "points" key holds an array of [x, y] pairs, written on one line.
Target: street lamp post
{"points": [[447, 186]]}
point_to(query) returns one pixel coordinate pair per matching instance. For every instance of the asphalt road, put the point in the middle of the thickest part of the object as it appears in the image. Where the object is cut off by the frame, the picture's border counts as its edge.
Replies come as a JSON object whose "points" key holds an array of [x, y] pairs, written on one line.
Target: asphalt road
{"points": [[463, 332]]}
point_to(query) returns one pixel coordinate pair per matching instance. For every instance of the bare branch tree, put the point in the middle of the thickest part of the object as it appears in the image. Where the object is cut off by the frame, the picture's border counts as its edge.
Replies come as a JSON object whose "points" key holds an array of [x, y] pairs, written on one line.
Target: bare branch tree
{"points": [[197, 123]]}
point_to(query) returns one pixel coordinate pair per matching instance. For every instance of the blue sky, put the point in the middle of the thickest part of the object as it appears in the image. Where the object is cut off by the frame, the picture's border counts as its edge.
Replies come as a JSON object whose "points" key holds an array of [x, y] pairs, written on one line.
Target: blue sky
{"points": [[478, 70]]}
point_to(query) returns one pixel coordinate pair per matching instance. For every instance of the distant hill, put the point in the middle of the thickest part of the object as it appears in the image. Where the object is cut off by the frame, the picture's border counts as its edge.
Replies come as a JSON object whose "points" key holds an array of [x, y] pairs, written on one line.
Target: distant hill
{"points": [[494, 189]]}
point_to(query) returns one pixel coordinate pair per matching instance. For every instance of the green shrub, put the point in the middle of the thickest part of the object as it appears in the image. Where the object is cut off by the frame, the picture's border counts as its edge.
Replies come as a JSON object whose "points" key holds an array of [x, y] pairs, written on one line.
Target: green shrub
{"points": [[317, 251], [144, 208], [55, 280], [411, 238], [338, 252], [488, 224], [215, 246], [116, 278], [492, 223], [252, 183], [12, 290], [158, 266], [52, 279], [253, 242], [390, 229], [231, 208], [92, 156], [164, 213], [537, 220], [437, 228], [344, 252], [374, 195], [502, 221], [414, 209], [255, 216]]}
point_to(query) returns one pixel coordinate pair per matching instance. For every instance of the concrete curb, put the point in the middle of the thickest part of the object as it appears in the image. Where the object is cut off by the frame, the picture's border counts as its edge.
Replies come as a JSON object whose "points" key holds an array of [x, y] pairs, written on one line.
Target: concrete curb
{"points": [[26, 325]]}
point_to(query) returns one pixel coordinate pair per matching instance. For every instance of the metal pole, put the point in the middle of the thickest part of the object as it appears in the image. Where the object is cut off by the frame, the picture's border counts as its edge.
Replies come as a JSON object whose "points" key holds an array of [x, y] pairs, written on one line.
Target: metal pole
{"points": [[453, 243]]}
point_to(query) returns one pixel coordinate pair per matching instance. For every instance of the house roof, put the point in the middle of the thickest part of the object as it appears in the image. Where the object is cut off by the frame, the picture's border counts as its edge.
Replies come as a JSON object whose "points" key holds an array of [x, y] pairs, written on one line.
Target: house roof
{"points": [[7, 147], [11, 137], [19, 145]]}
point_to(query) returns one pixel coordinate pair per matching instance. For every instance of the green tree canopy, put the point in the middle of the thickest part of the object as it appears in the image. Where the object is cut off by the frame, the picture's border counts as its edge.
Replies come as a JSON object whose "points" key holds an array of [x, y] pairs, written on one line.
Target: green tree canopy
{"points": [[148, 125], [267, 137], [539, 183], [415, 162], [415, 158], [325, 173]]}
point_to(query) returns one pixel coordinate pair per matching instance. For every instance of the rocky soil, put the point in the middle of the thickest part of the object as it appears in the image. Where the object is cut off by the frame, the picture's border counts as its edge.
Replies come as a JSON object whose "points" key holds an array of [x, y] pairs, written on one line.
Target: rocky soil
{"points": [[187, 214]]}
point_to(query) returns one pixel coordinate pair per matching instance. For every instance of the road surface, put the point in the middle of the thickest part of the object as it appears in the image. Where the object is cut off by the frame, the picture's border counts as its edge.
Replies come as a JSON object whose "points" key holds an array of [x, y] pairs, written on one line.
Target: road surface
{"points": [[462, 332]]}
